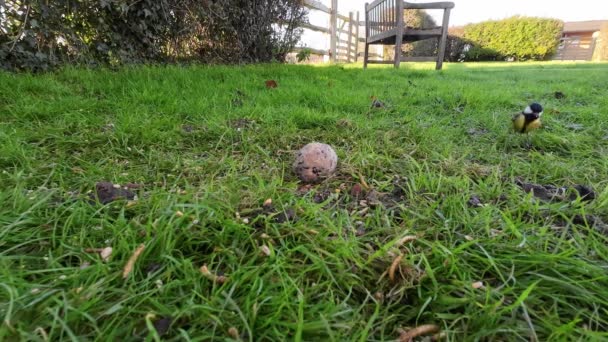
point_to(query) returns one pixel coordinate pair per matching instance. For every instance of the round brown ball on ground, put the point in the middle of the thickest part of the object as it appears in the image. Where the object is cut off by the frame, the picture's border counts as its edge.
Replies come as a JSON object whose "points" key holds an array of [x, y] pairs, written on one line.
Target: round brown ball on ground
{"points": [[315, 162]]}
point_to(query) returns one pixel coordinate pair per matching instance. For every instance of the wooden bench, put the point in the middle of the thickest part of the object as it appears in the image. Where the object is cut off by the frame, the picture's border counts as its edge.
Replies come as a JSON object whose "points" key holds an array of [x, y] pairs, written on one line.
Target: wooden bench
{"points": [[384, 25]]}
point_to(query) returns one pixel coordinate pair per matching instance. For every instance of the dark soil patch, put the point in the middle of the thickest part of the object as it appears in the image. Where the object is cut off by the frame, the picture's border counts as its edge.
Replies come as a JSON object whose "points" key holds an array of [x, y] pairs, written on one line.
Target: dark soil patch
{"points": [[553, 193], [107, 192]]}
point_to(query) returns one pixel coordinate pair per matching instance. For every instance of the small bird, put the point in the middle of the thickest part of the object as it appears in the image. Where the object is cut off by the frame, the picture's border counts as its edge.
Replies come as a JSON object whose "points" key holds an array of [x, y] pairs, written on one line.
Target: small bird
{"points": [[528, 120], [377, 103]]}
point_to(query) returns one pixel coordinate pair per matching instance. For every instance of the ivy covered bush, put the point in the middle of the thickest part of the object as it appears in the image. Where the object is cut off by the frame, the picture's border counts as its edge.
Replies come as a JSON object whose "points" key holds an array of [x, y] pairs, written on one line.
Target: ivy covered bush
{"points": [[41, 34]]}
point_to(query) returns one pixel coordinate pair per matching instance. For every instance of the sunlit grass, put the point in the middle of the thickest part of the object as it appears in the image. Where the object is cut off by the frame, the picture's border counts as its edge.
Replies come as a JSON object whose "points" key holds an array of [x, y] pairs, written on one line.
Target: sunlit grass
{"points": [[209, 156]]}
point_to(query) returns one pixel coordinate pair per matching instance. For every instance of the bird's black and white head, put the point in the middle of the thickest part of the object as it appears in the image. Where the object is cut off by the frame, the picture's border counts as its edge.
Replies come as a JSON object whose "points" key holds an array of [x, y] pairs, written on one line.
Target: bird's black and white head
{"points": [[534, 108]]}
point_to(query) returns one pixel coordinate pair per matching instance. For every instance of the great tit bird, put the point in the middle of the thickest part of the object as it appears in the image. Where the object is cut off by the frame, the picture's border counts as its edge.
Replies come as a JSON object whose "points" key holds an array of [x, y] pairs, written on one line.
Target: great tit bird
{"points": [[528, 120]]}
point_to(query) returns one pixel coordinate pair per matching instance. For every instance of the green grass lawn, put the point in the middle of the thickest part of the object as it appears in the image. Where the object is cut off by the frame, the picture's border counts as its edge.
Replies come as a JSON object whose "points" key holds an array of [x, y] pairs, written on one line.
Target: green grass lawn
{"points": [[209, 145]]}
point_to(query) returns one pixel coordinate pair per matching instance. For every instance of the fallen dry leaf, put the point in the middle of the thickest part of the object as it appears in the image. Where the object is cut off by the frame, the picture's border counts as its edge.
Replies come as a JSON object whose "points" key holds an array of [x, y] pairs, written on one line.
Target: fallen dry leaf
{"points": [[356, 190], [303, 189], [40, 331], [477, 285], [393, 268], [234, 333], [405, 240], [131, 262], [105, 254], [362, 180], [271, 84], [408, 336], [265, 250], [214, 278]]}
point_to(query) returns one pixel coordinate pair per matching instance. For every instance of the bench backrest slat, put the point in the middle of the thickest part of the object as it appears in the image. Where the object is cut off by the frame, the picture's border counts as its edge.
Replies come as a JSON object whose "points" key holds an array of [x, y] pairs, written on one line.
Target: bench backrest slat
{"points": [[381, 16]]}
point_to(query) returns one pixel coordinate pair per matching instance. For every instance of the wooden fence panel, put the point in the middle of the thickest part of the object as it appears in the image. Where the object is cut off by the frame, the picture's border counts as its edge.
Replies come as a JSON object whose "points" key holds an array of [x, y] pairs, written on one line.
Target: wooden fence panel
{"points": [[343, 32]]}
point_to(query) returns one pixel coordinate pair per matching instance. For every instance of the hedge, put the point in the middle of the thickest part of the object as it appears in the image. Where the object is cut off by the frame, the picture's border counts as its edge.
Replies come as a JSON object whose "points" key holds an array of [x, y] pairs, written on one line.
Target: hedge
{"points": [[516, 38], [40, 34]]}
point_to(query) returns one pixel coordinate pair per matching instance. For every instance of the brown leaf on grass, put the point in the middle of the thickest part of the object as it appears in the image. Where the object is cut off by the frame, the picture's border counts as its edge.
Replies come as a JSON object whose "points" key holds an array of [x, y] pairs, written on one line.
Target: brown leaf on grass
{"points": [[356, 190], [405, 240], [362, 180], [106, 253], [131, 262], [134, 186], [477, 285], [408, 336], [39, 330], [270, 84], [213, 277], [234, 333], [265, 250], [394, 266], [303, 189]]}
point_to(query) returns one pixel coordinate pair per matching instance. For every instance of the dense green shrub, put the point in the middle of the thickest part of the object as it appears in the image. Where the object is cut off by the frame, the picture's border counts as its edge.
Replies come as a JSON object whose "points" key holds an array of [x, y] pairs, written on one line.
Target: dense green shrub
{"points": [[517, 38], [39, 34]]}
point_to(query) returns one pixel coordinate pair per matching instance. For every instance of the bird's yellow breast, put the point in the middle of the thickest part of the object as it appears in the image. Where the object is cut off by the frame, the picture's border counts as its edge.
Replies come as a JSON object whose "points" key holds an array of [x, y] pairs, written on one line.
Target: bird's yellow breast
{"points": [[533, 125], [521, 125], [519, 120]]}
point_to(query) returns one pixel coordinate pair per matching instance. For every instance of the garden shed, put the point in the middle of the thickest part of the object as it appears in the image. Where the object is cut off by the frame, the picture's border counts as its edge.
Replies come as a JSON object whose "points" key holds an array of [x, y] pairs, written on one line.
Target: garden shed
{"points": [[579, 40]]}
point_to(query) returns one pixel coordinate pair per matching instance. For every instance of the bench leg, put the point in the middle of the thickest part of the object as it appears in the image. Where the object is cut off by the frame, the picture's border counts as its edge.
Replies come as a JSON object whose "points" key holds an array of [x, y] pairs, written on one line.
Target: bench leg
{"points": [[366, 56], [443, 39], [398, 52]]}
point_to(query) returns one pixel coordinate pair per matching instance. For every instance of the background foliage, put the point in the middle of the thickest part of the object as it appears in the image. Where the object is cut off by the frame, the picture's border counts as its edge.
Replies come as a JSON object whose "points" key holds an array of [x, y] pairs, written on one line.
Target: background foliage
{"points": [[37, 35], [517, 38]]}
